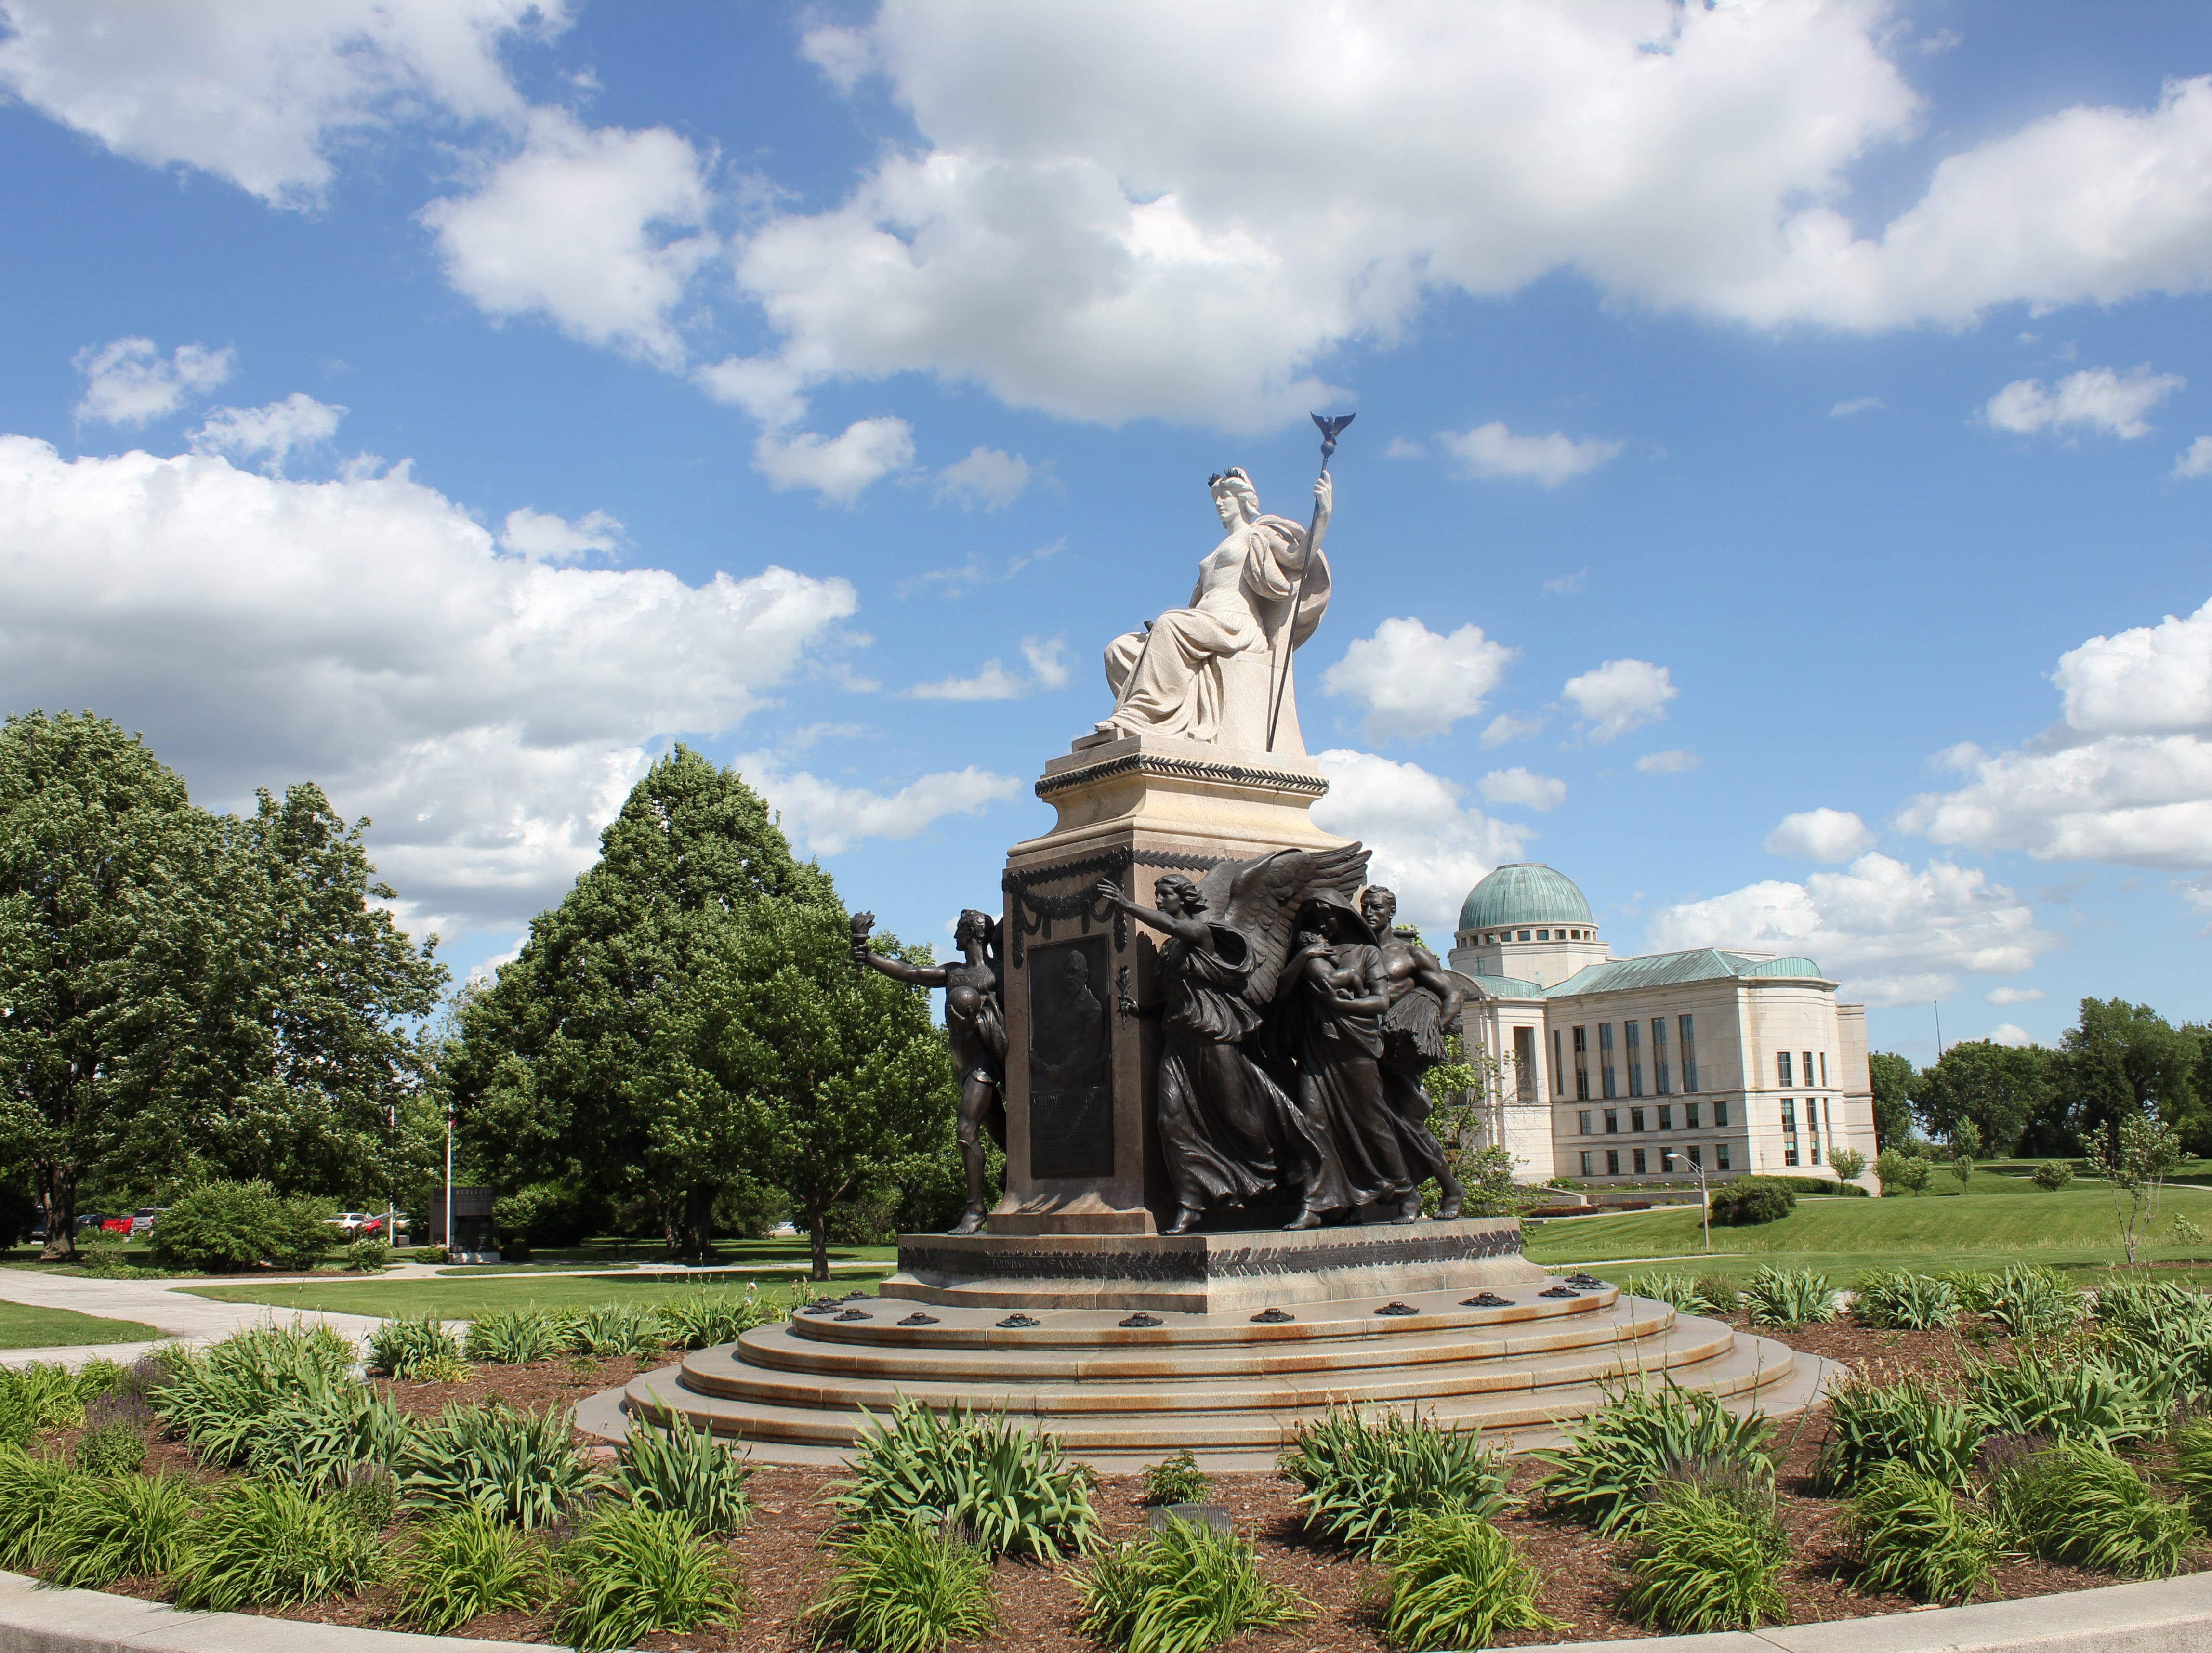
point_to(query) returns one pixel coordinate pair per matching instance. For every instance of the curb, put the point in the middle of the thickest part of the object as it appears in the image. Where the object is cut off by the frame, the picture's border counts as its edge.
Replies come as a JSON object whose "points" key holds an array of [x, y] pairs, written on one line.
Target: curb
{"points": [[2169, 1615]]}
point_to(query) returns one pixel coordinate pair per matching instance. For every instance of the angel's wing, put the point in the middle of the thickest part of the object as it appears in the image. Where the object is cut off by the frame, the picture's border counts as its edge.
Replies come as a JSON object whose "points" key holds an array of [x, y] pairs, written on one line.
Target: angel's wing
{"points": [[1264, 896]]}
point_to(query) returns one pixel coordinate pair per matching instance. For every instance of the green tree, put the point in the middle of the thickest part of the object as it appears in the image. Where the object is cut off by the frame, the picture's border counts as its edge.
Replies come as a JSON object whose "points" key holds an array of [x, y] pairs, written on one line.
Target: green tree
{"points": [[1848, 1164], [1966, 1143], [2124, 1060], [2141, 1156], [106, 940], [1998, 1089], [1891, 1077], [1902, 1173], [576, 1064]]}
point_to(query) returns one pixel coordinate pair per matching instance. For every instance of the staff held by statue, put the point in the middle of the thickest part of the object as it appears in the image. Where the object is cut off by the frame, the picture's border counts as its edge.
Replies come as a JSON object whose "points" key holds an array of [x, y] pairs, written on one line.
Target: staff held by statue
{"points": [[1331, 425]]}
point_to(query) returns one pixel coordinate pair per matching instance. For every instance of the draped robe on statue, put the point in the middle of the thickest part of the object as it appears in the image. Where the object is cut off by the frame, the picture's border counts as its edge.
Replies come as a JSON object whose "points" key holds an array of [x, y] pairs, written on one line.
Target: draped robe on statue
{"points": [[1206, 673]]}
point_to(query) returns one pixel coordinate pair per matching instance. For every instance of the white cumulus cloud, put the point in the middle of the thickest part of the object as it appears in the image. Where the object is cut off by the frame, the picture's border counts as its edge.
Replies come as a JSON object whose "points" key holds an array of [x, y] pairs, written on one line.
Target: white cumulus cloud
{"points": [[1412, 683], [488, 711], [1821, 834], [823, 818], [2196, 459], [1620, 695], [127, 381], [599, 230], [2095, 399], [1493, 451], [1524, 786], [986, 478], [1892, 934], [1857, 404], [2010, 1033], [545, 538], [274, 430], [1510, 727], [1675, 760], [1429, 848], [1047, 664], [262, 94], [836, 467], [2013, 996]]}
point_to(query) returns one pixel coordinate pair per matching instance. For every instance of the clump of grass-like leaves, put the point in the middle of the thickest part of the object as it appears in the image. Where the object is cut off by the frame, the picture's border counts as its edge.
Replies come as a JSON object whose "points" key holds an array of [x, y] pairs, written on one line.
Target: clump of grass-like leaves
{"points": [[2070, 1395], [1786, 1298], [1897, 1299], [1914, 1533], [1907, 1422], [467, 1564], [905, 1587], [319, 1437], [616, 1328], [114, 1439], [2029, 1300], [1182, 1590], [1709, 1560], [1454, 1580], [2190, 1473], [1175, 1478], [31, 1486], [634, 1572], [1358, 1477], [700, 1320], [109, 1527], [669, 1463], [1614, 1456], [401, 1348], [226, 1400], [513, 1337], [1011, 1488], [1678, 1291], [523, 1466], [265, 1543], [37, 1399], [2081, 1504]]}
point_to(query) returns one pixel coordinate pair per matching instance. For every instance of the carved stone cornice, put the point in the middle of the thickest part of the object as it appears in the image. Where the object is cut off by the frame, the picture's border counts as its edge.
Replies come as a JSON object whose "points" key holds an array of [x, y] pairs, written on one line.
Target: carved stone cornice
{"points": [[1184, 769]]}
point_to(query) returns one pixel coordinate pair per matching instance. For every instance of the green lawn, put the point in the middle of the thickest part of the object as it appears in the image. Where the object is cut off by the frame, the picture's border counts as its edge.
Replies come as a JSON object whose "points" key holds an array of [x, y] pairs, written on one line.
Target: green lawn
{"points": [[466, 1298], [1997, 1221], [23, 1326], [645, 1253]]}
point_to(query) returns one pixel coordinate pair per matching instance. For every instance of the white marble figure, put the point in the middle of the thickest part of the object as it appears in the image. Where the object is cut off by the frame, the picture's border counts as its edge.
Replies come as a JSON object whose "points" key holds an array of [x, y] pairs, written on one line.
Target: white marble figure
{"points": [[1218, 672]]}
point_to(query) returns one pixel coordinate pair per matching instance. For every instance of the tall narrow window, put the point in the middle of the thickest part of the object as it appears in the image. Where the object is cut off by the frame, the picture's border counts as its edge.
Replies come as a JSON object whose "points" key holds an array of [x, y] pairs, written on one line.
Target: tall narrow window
{"points": [[1582, 1064], [1558, 1067], [1659, 1055], [1582, 1123], [1782, 1068], [1789, 1114], [1789, 1155], [1720, 1114], [1824, 1070], [1808, 1070], [1635, 1119], [1640, 1162], [1720, 1156], [1613, 1121], [1816, 1151], [1666, 1117], [1524, 1064], [1690, 1116], [1698, 1156], [1612, 1162], [1586, 1164], [1632, 1036], [1605, 1057], [1689, 1054]]}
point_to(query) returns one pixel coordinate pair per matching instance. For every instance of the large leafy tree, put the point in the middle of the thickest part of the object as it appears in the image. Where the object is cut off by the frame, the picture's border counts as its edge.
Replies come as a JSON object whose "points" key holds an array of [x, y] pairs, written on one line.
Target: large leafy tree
{"points": [[1997, 1089], [2124, 1062], [1891, 1078], [583, 1062]]}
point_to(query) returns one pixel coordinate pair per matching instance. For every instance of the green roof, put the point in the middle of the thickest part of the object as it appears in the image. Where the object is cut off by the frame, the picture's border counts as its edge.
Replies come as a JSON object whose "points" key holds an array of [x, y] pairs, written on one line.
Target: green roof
{"points": [[1667, 969], [1526, 892], [1507, 987]]}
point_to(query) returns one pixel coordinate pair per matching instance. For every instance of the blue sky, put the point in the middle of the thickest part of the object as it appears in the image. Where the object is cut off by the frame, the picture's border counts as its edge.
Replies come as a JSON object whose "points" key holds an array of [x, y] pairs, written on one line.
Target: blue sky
{"points": [[1777, 469]]}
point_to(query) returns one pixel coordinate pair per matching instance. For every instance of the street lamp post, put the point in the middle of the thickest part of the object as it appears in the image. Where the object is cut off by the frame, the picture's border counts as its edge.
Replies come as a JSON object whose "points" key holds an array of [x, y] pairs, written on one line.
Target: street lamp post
{"points": [[1704, 1199]]}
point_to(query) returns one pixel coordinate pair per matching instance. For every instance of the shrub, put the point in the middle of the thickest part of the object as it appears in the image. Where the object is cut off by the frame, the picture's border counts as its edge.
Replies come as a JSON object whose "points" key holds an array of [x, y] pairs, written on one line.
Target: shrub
{"points": [[1973, 1286], [1871, 1426], [2051, 1176], [368, 1256], [634, 1572], [700, 1320], [1176, 1480], [113, 1447], [1751, 1200], [1827, 1185], [467, 1564], [1455, 1580], [906, 1587], [1359, 1477], [30, 1489], [320, 1437], [1914, 1534], [1901, 1173], [266, 1542], [666, 1464], [1677, 1291], [37, 1399], [226, 1400], [2080, 1504], [1707, 1561], [1789, 1297], [2149, 1309], [428, 1254], [614, 1328], [220, 1228], [1894, 1299], [513, 1337], [99, 1377], [1181, 1590], [2032, 1300], [109, 1527], [1718, 1295], [1848, 1164], [1011, 1488], [523, 1466], [2073, 1396], [2191, 1471], [1645, 1435], [398, 1347]]}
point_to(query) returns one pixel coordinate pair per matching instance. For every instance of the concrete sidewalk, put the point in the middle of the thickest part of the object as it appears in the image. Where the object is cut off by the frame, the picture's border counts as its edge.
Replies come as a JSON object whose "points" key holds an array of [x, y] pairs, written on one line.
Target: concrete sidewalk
{"points": [[159, 1304]]}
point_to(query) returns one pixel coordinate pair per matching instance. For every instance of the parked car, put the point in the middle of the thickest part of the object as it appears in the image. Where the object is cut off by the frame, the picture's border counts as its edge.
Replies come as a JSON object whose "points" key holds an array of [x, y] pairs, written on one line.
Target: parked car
{"points": [[141, 1220]]}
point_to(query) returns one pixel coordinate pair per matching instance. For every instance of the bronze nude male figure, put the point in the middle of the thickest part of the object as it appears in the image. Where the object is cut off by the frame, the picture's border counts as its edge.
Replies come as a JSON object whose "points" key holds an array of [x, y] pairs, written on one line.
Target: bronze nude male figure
{"points": [[1425, 1002], [975, 1026]]}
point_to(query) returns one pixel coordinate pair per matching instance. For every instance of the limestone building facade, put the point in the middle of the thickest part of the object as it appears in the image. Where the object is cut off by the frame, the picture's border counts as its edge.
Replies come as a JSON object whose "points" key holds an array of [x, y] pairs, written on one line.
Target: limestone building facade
{"points": [[1650, 1069]]}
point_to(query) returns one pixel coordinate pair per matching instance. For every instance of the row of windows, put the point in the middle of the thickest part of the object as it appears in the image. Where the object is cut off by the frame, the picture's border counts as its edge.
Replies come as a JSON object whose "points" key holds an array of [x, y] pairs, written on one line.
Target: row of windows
{"points": [[1814, 1114], [1632, 1051], [1690, 1122], [1492, 937], [1676, 1159], [1782, 1068]]}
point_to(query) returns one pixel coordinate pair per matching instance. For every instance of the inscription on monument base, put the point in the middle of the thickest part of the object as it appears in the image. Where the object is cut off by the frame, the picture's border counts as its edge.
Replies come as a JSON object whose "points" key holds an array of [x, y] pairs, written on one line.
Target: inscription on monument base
{"points": [[1069, 1058]]}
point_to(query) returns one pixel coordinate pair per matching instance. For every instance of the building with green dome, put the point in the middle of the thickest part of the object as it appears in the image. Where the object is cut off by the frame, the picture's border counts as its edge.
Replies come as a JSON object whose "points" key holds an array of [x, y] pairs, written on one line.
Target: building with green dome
{"points": [[1718, 1062]]}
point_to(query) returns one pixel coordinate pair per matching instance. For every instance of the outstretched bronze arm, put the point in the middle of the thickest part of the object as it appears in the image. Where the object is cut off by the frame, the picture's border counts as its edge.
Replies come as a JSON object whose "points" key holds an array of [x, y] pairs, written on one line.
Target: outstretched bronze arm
{"points": [[1186, 929], [919, 975]]}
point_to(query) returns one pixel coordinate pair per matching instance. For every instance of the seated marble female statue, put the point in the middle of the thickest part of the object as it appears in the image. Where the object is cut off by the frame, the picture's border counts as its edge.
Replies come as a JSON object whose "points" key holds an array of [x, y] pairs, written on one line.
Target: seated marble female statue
{"points": [[1218, 670]]}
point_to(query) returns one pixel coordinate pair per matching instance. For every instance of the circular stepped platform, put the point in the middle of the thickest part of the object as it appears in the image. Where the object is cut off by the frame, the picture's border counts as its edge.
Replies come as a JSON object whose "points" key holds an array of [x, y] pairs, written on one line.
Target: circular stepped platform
{"points": [[1230, 1388]]}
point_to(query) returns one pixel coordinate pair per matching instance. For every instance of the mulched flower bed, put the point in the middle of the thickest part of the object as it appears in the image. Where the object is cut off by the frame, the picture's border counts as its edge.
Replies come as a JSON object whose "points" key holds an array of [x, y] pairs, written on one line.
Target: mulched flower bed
{"points": [[785, 1565]]}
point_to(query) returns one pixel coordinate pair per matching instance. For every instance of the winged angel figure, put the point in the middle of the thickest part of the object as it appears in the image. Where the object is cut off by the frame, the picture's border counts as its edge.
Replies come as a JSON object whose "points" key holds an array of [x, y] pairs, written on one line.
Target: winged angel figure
{"points": [[1229, 1132]]}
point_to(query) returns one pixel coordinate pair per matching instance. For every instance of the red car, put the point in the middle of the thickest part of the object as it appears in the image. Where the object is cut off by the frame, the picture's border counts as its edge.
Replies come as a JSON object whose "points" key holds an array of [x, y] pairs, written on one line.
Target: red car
{"points": [[116, 1225]]}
